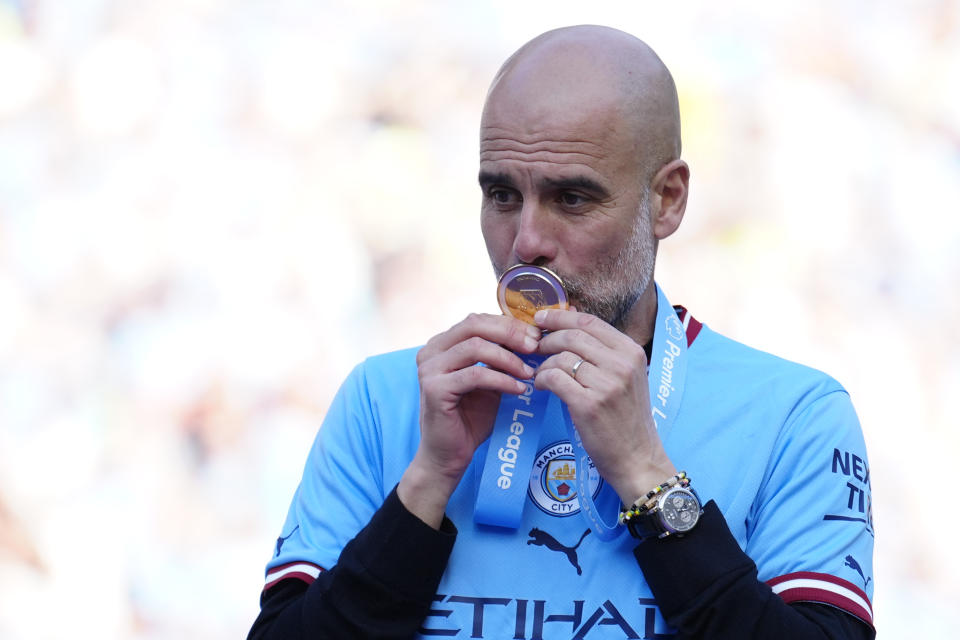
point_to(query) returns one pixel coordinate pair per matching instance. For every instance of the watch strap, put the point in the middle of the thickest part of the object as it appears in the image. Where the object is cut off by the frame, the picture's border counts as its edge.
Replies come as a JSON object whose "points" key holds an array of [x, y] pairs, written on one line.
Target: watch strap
{"points": [[645, 520]]}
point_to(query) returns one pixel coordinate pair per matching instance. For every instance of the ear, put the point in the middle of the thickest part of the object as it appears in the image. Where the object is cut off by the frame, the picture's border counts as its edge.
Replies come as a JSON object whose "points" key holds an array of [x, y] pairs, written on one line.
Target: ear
{"points": [[670, 187]]}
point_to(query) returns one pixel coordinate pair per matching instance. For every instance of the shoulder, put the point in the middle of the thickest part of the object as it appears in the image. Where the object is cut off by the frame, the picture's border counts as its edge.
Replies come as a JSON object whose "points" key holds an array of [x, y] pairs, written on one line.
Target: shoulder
{"points": [[387, 372], [379, 390], [393, 361], [797, 410], [727, 365]]}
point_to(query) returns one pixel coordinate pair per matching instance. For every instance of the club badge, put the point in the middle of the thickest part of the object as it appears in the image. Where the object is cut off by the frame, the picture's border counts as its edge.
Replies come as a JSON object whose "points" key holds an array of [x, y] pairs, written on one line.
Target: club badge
{"points": [[553, 481]]}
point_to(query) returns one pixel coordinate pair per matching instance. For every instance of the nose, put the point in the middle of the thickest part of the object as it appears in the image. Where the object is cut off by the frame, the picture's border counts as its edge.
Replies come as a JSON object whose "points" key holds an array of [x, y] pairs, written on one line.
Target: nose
{"points": [[535, 242]]}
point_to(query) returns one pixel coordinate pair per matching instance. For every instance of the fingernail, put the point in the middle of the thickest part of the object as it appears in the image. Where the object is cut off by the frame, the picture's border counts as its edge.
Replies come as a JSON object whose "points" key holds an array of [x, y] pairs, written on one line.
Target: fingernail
{"points": [[533, 332], [530, 343], [527, 371], [540, 316]]}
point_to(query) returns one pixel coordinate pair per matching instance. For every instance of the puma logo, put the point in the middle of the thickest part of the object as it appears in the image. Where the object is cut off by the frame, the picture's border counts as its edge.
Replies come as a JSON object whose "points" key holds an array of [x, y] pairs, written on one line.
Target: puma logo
{"points": [[283, 539], [849, 561], [544, 539]]}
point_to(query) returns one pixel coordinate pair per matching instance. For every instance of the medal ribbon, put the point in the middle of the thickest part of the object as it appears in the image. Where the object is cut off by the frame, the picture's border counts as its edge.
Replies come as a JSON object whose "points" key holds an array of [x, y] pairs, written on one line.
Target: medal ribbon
{"points": [[512, 449], [516, 432]]}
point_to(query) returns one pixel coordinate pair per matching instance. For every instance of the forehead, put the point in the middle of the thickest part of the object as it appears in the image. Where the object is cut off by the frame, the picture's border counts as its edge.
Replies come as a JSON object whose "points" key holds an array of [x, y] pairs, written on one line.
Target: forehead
{"points": [[533, 99], [559, 130]]}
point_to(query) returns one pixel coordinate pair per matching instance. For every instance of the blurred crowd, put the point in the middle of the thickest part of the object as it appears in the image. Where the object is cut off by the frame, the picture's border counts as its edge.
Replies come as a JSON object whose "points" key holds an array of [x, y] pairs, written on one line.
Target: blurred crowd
{"points": [[210, 211]]}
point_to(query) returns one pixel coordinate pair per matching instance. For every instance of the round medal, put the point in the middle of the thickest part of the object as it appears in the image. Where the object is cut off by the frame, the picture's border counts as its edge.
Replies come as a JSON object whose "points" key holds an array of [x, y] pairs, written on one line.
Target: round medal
{"points": [[525, 289]]}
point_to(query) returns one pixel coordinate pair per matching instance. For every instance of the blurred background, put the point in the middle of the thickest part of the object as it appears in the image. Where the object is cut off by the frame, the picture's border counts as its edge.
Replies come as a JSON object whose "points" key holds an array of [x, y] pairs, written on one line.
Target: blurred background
{"points": [[211, 210]]}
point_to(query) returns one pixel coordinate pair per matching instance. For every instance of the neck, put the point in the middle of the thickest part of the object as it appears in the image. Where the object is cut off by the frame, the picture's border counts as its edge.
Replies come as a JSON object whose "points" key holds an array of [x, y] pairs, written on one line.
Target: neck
{"points": [[640, 320]]}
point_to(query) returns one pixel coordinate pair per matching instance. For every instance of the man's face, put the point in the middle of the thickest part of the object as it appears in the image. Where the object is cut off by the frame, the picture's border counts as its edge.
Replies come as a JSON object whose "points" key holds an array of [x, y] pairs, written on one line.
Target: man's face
{"points": [[563, 188]]}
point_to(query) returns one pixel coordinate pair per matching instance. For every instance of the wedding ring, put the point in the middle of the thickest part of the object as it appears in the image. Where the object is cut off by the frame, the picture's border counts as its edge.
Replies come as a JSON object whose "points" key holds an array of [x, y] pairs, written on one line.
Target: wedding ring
{"points": [[573, 370]]}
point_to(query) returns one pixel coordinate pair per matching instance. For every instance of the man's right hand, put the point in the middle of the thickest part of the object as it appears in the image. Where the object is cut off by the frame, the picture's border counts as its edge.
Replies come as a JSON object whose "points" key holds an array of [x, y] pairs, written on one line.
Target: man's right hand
{"points": [[458, 403]]}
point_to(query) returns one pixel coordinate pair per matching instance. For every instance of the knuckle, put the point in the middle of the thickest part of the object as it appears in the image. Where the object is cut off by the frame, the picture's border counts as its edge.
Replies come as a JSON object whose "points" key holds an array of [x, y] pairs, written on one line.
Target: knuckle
{"points": [[622, 386], [423, 355], [426, 385], [470, 321], [638, 356], [476, 318], [591, 408], [556, 376], [459, 377], [515, 330], [471, 375], [622, 369], [546, 372], [477, 347], [576, 337]]}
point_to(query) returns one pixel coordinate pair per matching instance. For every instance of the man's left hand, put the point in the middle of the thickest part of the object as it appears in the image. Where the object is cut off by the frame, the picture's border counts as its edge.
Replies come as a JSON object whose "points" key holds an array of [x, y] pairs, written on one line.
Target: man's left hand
{"points": [[608, 398]]}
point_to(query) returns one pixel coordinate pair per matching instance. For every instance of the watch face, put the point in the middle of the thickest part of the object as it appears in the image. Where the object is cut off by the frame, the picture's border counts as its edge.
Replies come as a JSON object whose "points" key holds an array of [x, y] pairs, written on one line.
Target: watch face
{"points": [[680, 510]]}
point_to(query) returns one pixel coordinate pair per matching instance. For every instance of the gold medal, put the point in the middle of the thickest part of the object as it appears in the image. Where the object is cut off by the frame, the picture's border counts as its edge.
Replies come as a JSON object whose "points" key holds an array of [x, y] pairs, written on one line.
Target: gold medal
{"points": [[524, 289]]}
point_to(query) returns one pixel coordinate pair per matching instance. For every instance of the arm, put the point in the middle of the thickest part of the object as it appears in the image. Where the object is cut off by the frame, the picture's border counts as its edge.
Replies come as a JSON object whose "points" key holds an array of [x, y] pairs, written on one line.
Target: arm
{"points": [[372, 592], [383, 580], [707, 587], [704, 583]]}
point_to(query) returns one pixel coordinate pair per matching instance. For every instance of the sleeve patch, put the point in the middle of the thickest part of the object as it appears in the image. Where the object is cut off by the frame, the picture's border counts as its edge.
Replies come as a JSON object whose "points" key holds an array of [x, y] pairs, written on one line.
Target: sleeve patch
{"points": [[305, 571], [805, 586]]}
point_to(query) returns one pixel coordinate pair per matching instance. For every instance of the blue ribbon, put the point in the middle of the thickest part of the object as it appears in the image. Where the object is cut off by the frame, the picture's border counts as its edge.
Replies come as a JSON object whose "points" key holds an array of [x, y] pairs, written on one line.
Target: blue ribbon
{"points": [[512, 449], [668, 365]]}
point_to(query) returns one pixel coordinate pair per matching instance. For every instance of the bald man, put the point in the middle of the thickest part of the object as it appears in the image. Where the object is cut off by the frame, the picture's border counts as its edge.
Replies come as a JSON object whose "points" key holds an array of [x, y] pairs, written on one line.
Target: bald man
{"points": [[738, 481]]}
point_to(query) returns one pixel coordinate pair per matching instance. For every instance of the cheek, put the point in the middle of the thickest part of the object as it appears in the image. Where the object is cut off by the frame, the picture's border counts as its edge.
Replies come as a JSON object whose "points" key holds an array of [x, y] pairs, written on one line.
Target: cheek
{"points": [[498, 237], [589, 250]]}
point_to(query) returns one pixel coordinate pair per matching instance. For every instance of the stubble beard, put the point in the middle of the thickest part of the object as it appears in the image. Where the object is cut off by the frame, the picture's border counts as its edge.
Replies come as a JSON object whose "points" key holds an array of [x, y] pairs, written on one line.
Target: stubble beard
{"points": [[611, 289]]}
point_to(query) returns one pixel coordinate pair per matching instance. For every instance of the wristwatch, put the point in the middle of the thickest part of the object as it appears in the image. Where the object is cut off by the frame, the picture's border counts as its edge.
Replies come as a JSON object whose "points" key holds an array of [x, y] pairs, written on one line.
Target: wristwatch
{"points": [[675, 512]]}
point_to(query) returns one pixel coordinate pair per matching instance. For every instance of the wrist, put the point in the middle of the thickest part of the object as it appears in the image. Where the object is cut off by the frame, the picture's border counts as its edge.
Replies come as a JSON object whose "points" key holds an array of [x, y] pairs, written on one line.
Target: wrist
{"points": [[639, 483], [670, 508], [425, 492]]}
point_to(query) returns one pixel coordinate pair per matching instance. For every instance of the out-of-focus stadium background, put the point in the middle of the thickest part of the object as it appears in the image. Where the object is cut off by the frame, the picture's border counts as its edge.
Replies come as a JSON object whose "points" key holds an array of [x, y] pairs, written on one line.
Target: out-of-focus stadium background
{"points": [[210, 210]]}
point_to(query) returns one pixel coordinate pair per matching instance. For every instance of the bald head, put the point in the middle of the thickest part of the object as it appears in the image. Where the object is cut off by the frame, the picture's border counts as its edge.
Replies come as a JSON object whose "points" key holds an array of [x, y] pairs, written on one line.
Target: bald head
{"points": [[591, 72], [580, 168]]}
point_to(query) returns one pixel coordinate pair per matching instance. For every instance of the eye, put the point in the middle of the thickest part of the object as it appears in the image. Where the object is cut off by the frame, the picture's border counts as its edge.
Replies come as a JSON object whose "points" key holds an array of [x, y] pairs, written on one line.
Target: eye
{"points": [[502, 197], [572, 199]]}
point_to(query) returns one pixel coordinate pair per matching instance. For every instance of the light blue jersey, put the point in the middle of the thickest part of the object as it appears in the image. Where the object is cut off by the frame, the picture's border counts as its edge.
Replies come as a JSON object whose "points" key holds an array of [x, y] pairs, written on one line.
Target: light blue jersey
{"points": [[776, 445]]}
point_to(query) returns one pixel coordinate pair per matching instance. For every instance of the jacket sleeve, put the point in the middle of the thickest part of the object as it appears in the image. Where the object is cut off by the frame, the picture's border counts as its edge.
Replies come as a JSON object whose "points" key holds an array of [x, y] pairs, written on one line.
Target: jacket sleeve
{"points": [[382, 585], [707, 588]]}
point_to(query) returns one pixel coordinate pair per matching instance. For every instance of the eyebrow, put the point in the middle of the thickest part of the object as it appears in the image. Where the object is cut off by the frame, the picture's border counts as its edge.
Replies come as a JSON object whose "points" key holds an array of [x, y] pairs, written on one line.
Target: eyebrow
{"points": [[488, 178], [578, 182]]}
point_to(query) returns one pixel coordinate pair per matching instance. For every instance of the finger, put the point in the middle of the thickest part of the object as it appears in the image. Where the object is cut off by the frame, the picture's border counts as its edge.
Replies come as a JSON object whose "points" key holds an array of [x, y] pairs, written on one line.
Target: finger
{"points": [[561, 383], [509, 332], [608, 366], [567, 362], [470, 379], [474, 350], [558, 319], [575, 341]]}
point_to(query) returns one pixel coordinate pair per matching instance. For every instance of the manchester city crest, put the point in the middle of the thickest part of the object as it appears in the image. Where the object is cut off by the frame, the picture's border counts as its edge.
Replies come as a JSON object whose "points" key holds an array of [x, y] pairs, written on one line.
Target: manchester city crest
{"points": [[553, 481]]}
